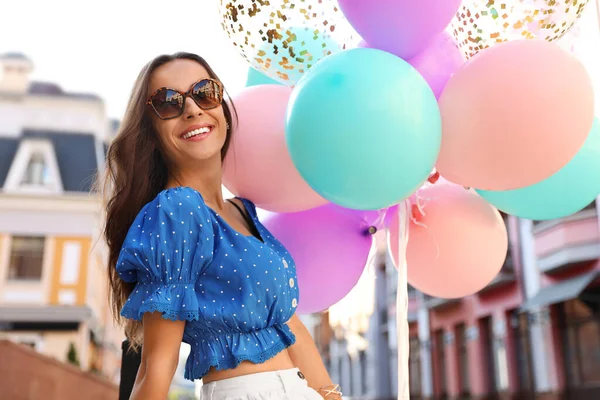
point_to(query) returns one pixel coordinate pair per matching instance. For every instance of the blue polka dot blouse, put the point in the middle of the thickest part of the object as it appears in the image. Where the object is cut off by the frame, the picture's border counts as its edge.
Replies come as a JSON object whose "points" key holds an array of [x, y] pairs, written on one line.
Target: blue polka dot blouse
{"points": [[236, 292]]}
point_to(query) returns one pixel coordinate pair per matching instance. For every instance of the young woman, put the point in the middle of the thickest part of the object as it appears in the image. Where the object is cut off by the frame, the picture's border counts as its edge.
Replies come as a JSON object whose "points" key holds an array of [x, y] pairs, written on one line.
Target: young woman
{"points": [[186, 265]]}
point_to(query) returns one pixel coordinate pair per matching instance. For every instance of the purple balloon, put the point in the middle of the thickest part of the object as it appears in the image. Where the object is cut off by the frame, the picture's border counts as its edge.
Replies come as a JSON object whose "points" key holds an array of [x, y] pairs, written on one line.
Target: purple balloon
{"points": [[392, 213], [438, 62], [330, 250], [400, 27]]}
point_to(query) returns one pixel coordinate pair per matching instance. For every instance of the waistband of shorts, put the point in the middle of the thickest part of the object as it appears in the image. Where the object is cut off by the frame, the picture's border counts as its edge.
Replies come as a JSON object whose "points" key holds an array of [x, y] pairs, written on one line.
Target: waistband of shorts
{"points": [[261, 381]]}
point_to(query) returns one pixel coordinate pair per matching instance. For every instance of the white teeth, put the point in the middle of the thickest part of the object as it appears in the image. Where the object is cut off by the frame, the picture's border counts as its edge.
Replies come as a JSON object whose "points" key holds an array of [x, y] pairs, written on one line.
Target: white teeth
{"points": [[196, 132]]}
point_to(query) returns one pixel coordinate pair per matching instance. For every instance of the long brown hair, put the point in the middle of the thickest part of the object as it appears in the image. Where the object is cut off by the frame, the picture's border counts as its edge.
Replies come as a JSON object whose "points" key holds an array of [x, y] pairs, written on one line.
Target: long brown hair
{"points": [[135, 173]]}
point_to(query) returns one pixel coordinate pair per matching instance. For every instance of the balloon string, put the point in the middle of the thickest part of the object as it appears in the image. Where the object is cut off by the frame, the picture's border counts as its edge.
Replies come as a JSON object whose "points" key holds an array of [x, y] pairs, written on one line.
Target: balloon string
{"points": [[370, 266], [598, 12], [421, 207], [380, 218], [402, 329]]}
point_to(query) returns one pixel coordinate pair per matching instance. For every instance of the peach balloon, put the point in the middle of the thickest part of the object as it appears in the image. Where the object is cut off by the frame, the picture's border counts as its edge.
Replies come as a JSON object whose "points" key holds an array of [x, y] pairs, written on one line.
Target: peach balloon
{"points": [[514, 115], [258, 165], [457, 247]]}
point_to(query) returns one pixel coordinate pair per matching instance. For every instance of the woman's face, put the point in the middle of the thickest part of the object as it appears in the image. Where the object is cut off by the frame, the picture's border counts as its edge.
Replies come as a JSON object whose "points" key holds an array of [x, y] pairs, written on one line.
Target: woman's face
{"points": [[197, 135]]}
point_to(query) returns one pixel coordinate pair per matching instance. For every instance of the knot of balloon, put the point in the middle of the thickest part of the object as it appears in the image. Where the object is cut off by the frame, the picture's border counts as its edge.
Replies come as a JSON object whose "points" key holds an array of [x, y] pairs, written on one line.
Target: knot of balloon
{"points": [[372, 230], [416, 213], [433, 178]]}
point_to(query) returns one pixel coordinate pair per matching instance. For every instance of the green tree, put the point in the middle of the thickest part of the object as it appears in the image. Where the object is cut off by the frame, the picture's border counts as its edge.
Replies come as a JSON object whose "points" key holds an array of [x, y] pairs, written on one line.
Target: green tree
{"points": [[72, 356]]}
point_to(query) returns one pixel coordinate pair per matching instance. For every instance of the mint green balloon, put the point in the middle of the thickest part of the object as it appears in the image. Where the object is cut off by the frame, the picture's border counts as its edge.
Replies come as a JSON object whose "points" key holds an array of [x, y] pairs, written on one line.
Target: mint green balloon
{"points": [[258, 78], [566, 192], [363, 129]]}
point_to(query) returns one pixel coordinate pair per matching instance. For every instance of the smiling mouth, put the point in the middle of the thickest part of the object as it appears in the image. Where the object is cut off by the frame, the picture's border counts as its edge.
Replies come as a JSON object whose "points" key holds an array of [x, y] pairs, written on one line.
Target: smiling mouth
{"points": [[198, 133]]}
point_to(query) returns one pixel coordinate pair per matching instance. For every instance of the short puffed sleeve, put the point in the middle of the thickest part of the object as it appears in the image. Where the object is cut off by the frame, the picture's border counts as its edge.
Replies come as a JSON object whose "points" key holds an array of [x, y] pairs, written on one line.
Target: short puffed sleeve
{"points": [[169, 243]]}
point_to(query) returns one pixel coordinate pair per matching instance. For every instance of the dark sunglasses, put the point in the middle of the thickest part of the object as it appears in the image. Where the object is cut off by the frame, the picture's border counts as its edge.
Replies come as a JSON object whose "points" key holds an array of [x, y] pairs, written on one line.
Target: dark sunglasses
{"points": [[169, 103]]}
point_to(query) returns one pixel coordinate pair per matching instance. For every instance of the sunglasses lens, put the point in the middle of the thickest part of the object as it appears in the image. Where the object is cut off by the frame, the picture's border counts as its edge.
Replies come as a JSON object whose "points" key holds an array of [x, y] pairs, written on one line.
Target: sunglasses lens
{"points": [[207, 94], [168, 103]]}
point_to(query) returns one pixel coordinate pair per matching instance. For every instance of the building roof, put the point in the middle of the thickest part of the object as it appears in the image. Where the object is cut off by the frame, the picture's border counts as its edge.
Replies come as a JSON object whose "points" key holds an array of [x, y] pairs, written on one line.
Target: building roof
{"points": [[52, 89], [76, 155], [14, 56], [8, 150]]}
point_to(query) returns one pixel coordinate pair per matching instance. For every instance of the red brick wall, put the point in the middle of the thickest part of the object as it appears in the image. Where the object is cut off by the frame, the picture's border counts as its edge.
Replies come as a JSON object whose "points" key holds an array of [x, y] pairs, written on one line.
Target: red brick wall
{"points": [[27, 375]]}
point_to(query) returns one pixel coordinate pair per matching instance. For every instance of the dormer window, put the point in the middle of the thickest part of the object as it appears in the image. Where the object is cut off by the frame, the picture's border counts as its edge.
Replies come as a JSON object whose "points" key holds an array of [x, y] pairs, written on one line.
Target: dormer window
{"points": [[34, 169], [38, 172]]}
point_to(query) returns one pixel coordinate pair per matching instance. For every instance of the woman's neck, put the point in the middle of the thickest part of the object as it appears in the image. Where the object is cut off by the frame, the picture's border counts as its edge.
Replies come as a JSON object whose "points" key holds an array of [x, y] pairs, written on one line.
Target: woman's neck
{"points": [[206, 180]]}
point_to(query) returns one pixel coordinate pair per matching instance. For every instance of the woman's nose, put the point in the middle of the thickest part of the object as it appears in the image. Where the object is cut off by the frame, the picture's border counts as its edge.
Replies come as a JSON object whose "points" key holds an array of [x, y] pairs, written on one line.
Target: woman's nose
{"points": [[191, 108]]}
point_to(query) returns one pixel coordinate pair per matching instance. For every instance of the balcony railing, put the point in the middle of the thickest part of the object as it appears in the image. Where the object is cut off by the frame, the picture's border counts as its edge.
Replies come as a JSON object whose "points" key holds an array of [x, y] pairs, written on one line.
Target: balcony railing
{"points": [[543, 225], [565, 242]]}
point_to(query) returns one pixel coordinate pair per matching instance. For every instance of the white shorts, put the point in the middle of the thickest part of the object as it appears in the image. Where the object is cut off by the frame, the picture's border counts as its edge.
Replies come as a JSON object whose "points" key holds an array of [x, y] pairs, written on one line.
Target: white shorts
{"points": [[287, 384]]}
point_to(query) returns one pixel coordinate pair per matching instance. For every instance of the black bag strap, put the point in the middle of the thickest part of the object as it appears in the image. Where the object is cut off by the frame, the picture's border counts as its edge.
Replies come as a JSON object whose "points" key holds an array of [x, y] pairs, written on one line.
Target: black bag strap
{"points": [[130, 363]]}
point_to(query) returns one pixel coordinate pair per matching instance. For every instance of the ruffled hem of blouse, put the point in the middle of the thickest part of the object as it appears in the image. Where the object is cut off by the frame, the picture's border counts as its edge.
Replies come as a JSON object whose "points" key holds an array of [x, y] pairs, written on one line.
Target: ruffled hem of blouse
{"points": [[175, 301], [198, 369]]}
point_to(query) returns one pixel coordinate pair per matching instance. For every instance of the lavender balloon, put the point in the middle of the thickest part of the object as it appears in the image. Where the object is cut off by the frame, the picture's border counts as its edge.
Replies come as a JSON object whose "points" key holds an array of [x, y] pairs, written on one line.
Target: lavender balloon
{"points": [[437, 62], [369, 219], [401, 27], [330, 250]]}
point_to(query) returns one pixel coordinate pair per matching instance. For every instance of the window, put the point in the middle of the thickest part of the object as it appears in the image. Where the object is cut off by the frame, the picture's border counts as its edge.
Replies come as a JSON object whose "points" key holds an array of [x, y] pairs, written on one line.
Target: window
{"points": [[414, 367], [522, 353], [362, 357], [588, 337], [34, 168], [463, 359], [37, 172], [441, 382], [26, 258], [582, 343]]}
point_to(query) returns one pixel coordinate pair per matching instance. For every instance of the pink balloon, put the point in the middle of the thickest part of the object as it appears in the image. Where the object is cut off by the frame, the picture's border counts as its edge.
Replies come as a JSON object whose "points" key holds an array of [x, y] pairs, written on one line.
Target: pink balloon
{"points": [[458, 246], [514, 115], [258, 165], [330, 250], [438, 62]]}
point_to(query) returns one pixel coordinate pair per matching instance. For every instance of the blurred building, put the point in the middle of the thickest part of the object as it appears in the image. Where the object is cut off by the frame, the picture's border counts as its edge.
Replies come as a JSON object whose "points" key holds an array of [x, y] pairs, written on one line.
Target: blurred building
{"points": [[533, 332], [53, 285]]}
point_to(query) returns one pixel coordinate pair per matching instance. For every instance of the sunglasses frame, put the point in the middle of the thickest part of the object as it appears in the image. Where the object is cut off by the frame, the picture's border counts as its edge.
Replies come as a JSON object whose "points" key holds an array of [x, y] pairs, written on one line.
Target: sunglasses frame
{"points": [[185, 95]]}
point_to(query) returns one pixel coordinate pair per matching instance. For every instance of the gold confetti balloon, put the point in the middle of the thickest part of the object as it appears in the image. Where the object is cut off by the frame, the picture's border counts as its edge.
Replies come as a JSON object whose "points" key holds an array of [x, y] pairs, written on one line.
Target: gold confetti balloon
{"points": [[480, 24], [284, 38]]}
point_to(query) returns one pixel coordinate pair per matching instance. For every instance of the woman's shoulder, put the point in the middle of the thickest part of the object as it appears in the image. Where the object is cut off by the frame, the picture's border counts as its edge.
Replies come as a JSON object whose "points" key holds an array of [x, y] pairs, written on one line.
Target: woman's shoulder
{"points": [[180, 194], [175, 216], [177, 198], [173, 207]]}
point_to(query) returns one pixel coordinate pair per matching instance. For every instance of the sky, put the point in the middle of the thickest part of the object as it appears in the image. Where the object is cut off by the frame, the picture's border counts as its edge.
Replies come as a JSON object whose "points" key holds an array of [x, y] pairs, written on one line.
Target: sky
{"points": [[100, 46]]}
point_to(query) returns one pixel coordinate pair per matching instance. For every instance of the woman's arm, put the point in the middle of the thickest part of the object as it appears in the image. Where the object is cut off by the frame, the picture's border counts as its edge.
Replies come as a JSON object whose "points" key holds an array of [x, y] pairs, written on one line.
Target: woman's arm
{"points": [[160, 356], [306, 357]]}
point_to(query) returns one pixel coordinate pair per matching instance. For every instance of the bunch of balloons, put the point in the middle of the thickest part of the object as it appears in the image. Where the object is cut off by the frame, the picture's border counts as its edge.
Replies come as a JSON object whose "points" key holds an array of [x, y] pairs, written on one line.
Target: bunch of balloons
{"points": [[351, 105]]}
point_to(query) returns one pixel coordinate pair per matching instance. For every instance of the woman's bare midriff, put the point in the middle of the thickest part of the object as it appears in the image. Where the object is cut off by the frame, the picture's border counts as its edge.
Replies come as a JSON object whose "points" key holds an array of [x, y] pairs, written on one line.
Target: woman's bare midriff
{"points": [[280, 362]]}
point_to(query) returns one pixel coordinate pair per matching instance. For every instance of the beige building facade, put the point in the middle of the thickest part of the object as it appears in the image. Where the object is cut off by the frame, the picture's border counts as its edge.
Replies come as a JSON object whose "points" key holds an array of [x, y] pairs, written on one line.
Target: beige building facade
{"points": [[53, 281]]}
